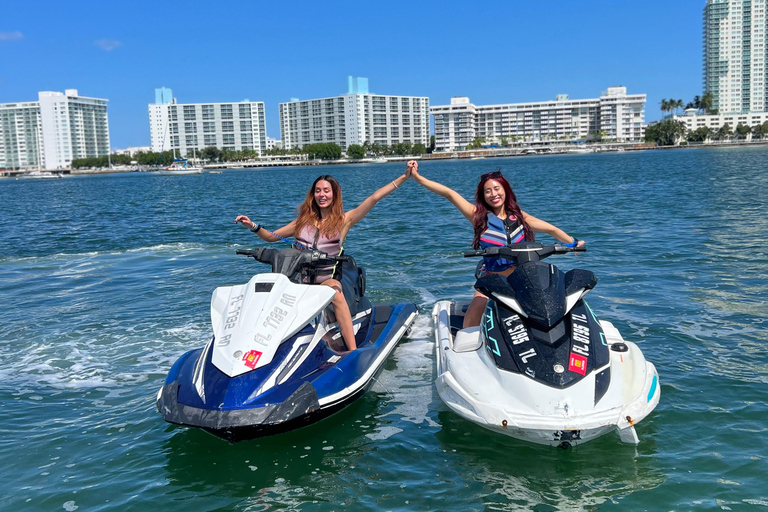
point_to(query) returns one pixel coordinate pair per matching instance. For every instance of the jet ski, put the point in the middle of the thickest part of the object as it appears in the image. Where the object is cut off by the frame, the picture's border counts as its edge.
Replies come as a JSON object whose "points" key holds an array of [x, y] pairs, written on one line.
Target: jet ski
{"points": [[541, 367], [276, 360]]}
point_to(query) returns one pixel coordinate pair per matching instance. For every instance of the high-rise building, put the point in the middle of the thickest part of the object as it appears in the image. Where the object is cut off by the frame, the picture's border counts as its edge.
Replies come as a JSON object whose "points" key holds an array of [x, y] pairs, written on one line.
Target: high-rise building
{"points": [[53, 131], [615, 116], [21, 135], [191, 127], [354, 118], [735, 47]]}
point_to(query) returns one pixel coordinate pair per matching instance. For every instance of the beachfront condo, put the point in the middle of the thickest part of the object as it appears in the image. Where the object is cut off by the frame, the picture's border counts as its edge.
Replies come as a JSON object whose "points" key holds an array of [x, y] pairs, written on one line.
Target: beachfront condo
{"points": [[614, 116], [53, 131], [355, 118], [735, 45], [188, 128]]}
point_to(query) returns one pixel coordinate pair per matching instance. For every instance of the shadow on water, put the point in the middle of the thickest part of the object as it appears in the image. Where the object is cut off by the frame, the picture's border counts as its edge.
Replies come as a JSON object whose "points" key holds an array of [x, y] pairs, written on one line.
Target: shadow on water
{"points": [[524, 476], [276, 470]]}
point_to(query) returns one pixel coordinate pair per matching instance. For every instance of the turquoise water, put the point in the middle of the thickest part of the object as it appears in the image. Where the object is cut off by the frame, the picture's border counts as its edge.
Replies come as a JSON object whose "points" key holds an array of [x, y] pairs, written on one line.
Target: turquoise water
{"points": [[106, 280]]}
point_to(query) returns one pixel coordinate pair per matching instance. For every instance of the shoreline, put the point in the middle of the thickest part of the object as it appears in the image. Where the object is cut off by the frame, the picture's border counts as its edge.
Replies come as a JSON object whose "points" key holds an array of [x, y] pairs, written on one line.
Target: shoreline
{"points": [[476, 154]]}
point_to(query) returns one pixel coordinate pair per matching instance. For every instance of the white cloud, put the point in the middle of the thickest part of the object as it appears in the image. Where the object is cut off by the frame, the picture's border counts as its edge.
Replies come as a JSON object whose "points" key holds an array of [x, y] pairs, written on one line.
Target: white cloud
{"points": [[11, 36], [107, 44]]}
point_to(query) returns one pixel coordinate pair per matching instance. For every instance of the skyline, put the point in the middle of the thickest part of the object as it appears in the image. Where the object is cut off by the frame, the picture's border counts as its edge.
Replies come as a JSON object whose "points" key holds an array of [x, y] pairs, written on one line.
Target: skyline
{"points": [[501, 54]]}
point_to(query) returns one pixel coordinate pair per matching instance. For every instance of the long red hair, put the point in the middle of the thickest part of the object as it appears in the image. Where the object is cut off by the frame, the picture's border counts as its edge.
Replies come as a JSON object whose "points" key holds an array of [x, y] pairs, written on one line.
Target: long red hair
{"points": [[309, 212], [511, 208]]}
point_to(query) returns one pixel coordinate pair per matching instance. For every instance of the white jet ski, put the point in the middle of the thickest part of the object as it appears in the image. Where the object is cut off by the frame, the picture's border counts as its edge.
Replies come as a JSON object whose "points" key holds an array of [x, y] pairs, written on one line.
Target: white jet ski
{"points": [[541, 367]]}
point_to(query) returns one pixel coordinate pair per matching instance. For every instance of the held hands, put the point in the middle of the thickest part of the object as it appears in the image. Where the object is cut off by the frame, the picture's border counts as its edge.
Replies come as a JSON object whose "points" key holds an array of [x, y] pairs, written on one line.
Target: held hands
{"points": [[245, 221], [412, 169]]}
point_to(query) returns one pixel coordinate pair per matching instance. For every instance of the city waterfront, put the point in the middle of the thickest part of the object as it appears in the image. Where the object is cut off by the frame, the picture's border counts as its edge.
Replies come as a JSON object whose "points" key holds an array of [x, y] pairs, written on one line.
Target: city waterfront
{"points": [[106, 280]]}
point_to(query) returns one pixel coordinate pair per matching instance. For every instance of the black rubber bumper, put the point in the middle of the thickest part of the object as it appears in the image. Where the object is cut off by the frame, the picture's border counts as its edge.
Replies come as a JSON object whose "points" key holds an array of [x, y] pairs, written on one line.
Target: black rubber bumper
{"points": [[300, 408]]}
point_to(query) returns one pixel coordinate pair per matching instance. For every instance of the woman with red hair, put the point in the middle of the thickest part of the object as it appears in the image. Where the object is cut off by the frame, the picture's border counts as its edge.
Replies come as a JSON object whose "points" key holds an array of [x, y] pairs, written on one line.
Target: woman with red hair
{"points": [[322, 224], [497, 220]]}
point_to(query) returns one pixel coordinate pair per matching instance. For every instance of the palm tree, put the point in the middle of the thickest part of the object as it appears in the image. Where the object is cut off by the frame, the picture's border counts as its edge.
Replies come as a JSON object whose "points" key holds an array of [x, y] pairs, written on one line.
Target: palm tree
{"points": [[760, 130], [694, 104], [706, 102], [743, 130], [664, 106], [724, 132]]}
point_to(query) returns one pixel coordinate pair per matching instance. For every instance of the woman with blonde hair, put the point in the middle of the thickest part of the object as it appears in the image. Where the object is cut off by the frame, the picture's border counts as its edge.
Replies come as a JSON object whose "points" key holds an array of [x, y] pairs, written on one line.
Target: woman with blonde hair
{"points": [[323, 224]]}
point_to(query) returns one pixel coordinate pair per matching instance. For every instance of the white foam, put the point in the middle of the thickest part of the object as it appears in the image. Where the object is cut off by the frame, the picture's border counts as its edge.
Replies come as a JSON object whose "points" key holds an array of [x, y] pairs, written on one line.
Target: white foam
{"points": [[409, 384], [93, 358], [174, 248], [383, 433]]}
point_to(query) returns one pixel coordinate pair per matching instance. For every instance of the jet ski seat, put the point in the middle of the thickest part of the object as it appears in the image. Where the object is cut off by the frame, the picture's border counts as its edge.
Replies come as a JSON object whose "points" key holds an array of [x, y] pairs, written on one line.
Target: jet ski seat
{"points": [[467, 340], [353, 286]]}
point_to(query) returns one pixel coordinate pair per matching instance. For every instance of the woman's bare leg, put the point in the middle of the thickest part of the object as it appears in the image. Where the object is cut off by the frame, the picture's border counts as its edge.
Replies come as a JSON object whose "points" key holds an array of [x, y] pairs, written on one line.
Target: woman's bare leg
{"points": [[475, 310], [477, 307], [343, 316]]}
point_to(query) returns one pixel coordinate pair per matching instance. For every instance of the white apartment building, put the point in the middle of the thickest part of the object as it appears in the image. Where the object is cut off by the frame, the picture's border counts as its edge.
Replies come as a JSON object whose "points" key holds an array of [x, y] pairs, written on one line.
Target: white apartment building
{"points": [[735, 47], [191, 127], [53, 131], [274, 143], [354, 118], [615, 116], [21, 136], [133, 150], [693, 120]]}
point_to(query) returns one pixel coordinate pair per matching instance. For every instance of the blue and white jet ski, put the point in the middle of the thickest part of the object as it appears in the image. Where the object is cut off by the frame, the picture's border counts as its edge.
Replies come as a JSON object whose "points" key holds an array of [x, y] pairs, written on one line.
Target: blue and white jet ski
{"points": [[276, 360], [541, 367]]}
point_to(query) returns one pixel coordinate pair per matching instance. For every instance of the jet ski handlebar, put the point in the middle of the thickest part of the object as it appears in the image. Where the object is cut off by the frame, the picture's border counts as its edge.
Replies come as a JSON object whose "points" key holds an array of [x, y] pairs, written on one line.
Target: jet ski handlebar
{"points": [[524, 251], [268, 255]]}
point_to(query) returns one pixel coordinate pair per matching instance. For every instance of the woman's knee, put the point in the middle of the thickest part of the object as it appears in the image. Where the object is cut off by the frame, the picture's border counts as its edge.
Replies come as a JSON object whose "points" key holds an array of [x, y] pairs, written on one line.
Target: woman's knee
{"points": [[336, 286]]}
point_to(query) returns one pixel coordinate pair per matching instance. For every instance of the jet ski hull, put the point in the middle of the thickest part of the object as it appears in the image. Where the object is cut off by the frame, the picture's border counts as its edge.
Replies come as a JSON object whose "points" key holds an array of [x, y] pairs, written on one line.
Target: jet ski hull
{"points": [[323, 382], [471, 384]]}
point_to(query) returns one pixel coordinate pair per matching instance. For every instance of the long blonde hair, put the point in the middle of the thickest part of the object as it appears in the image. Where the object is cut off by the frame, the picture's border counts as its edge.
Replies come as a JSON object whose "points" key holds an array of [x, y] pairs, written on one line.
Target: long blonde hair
{"points": [[309, 211]]}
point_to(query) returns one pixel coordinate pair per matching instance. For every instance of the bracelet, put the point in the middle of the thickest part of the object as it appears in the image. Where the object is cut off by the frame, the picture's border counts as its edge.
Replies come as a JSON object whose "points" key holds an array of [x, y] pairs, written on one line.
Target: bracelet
{"points": [[572, 244], [256, 228], [395, 184]]}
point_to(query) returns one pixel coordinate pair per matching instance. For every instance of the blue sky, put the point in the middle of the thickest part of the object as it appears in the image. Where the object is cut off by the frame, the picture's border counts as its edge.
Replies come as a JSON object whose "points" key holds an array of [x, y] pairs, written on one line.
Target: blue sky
{"points": [[493, 52]]}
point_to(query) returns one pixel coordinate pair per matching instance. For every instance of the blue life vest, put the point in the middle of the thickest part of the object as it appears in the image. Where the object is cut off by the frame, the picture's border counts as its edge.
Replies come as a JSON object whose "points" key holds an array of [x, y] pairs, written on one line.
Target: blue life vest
{"points": [[501, 233]]}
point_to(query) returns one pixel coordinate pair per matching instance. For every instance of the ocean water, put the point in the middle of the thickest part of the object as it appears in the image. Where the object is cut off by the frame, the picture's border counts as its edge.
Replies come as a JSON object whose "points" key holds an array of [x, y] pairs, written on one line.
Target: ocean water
{"points": [[106, 280]]}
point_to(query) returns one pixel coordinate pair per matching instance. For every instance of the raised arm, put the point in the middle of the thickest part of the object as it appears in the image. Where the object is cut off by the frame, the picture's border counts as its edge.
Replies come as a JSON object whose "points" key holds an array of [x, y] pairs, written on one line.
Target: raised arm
{"points": [[285, 231], [541, 226], [466, 208], [352, 217]]}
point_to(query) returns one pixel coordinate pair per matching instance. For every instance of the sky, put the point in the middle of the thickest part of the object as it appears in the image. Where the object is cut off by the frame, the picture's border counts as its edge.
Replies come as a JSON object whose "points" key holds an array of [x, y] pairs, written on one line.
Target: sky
{"points": [[493, 52]]}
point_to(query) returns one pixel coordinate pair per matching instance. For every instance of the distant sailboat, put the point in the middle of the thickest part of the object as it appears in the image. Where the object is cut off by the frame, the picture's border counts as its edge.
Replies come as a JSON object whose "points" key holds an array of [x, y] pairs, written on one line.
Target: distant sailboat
{"points": [[181, 166]]}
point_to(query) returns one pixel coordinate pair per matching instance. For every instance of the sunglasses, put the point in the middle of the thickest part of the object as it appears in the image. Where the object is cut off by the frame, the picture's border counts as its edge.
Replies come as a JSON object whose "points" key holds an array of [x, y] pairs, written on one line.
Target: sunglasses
{"points": [[489, 175]]}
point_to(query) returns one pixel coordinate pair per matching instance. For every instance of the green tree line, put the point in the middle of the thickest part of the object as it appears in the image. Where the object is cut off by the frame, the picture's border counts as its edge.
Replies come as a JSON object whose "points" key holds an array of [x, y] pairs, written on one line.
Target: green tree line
{"points": [[146, 159], [322, 151], [670, 132]]}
